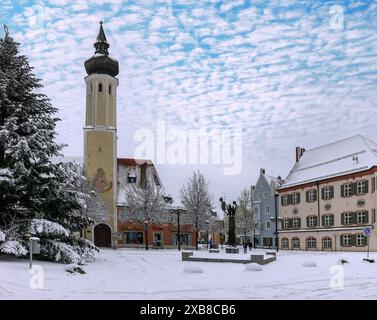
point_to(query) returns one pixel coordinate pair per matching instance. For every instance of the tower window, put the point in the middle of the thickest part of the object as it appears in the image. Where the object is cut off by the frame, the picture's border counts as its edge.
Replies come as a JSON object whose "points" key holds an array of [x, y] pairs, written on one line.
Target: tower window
{"points": [[110, 89], [100, 87], [90, 89]]}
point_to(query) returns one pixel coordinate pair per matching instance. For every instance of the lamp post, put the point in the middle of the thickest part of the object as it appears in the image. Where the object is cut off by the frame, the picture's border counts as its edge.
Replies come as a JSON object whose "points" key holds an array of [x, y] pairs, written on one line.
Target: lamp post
{"points": [[255, 226], [178, 212], [196, 227], [276, 219]]}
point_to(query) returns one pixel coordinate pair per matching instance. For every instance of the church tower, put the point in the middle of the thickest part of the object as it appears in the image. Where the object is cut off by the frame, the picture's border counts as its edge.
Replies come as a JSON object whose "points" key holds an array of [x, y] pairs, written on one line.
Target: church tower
{"points": [[100, 136]]}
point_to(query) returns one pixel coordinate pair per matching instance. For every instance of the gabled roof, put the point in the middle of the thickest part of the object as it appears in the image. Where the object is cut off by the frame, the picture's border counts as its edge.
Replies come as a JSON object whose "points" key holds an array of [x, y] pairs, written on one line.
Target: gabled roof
{"points": [[335, 159]]}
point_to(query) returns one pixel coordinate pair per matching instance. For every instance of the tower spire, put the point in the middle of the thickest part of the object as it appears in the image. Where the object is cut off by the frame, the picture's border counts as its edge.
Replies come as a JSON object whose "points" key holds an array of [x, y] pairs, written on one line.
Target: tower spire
{"points": [[101, 43]]}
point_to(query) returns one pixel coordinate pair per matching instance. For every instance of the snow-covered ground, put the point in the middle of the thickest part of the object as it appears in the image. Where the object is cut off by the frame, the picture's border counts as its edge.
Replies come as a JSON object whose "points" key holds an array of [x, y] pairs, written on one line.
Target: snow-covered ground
{"points": [[137, 274]]}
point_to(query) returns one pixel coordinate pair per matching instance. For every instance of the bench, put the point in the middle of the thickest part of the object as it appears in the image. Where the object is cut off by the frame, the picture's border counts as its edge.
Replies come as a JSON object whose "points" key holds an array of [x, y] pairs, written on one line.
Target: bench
{"points": [[232, 250]]}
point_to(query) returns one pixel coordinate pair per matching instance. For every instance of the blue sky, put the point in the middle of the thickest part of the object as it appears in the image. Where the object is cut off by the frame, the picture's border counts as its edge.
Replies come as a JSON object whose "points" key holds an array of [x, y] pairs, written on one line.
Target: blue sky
{"points": [[288, 72]]}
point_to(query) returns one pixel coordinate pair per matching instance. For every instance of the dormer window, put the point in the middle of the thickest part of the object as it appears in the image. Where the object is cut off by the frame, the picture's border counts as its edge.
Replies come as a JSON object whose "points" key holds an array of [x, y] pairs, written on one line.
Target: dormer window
{"points": [[100, 88], [131, 177]]}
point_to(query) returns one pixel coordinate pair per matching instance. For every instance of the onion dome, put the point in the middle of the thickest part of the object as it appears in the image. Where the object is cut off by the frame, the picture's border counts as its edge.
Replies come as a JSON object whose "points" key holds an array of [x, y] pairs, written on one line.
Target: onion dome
{"points": [[101, 62]]}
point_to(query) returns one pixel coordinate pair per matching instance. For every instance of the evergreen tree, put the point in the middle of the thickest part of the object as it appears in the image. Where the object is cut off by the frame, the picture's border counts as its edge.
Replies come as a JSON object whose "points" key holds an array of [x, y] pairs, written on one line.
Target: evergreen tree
{"points": [[37, 197]]}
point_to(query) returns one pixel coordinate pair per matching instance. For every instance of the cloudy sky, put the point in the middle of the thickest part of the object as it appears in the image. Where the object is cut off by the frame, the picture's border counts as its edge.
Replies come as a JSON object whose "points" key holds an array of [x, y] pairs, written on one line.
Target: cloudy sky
{"points": [[289, 73]]}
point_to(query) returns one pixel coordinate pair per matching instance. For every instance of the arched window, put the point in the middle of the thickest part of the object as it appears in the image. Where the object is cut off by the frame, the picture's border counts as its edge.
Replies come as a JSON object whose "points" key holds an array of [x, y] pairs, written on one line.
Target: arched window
{"points": [[110, 89], [285, 243], [100, 87], [295, 243], [90, 89], [311, 243]]}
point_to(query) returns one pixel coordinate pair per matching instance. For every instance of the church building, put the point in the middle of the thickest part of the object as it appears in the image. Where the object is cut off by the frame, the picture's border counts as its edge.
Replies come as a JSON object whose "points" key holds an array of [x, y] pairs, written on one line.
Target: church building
{"points": [[109, 174]]}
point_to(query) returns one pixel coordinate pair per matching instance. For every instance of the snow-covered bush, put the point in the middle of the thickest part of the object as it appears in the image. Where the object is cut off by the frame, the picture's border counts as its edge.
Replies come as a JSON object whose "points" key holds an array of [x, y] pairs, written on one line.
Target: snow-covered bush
{"points": [[42, 227], [60, 252], [14, 248], [2, 236]]}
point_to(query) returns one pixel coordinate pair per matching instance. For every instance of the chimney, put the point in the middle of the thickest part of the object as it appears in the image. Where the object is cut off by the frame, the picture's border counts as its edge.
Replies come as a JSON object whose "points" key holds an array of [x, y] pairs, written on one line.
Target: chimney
{"points": [[299, 152]]}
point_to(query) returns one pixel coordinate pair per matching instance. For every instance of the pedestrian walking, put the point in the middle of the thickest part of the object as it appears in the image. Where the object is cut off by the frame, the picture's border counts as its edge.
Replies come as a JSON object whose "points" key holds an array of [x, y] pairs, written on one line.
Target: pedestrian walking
{"points": [[250, 245], [245, 248]]}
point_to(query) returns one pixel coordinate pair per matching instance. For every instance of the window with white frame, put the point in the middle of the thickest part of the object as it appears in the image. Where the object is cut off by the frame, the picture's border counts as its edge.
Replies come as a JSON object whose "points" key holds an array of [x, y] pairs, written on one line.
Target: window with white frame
{"points": [[286, 224], [285, 200], [359, 240], [259, 196], [295, 198], [295, 243], [285, 243], [327, 193], [328, 220], [265, 195], [267, 209], [311, 243], [361, 187], [296, 222], [347, 240], [348, 189], [361, 217], [348, 218], [268, 225], [311, 195], [312, 221], [327, 243]]}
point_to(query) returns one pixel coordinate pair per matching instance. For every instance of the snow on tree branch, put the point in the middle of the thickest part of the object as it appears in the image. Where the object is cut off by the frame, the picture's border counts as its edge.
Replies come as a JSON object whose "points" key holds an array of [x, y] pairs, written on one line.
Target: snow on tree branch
{"points": [[13, 248], [42, 227]]}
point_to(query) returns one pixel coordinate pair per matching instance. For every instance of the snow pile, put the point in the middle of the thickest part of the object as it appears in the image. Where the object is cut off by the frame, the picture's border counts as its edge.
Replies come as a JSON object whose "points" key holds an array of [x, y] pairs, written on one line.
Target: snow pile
{"points": [[253, 267], [309, 264], [41, 227], [14, 248], [192, 269]]}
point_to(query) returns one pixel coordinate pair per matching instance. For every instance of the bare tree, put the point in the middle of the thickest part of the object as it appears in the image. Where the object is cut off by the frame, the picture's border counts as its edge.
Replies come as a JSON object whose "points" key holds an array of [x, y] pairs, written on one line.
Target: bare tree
{"points": [[244, 215], [145, 205], [197, 200]]}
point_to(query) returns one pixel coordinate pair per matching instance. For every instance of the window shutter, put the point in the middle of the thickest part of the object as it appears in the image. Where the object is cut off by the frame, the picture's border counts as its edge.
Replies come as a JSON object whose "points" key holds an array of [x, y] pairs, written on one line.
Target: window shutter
{"points": [[307, 219], [332, 222], [323, 220], [342, 190], [298, 197], [315, 221], [299, 222], [307, 196], [373, 215], [290, 199], [331, 192], [353, 239], [342, 218], [354, 218], [315, 195], [341, 240], [353, 188], [281, 199], [366, 186], [366, 217], [373, 184], [323, 193], [365, 241]]}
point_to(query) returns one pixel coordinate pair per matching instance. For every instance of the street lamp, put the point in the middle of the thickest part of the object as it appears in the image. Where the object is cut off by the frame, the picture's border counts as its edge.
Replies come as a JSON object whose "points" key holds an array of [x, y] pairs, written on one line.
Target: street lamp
{"points": [[178, 211], [255, 226], [207, 223], [276, 219]]}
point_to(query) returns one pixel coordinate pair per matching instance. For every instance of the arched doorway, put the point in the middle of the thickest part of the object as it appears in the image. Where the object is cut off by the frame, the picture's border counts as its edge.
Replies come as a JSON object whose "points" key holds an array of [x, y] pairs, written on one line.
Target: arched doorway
{"points": [[102, 235]]}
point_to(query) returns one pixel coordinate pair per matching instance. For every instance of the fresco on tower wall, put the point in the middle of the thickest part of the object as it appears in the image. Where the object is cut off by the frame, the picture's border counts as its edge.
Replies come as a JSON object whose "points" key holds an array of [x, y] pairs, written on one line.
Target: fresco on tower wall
{"points": [[101, 182]]}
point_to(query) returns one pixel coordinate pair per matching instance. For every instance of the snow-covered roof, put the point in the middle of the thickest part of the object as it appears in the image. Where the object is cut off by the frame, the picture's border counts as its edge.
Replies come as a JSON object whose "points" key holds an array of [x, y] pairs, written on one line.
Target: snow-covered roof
{"points": [[339, 158]]}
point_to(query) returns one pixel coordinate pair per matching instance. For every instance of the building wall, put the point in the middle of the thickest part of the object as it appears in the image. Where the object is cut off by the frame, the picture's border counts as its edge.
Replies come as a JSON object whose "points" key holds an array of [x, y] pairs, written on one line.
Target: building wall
{"points": [[335, 206], [264, 196]]}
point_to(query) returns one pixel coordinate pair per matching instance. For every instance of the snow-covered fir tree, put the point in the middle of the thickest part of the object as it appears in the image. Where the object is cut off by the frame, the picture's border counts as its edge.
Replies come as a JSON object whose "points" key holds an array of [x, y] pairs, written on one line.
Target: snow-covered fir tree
{"points": [[37, 197]]}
